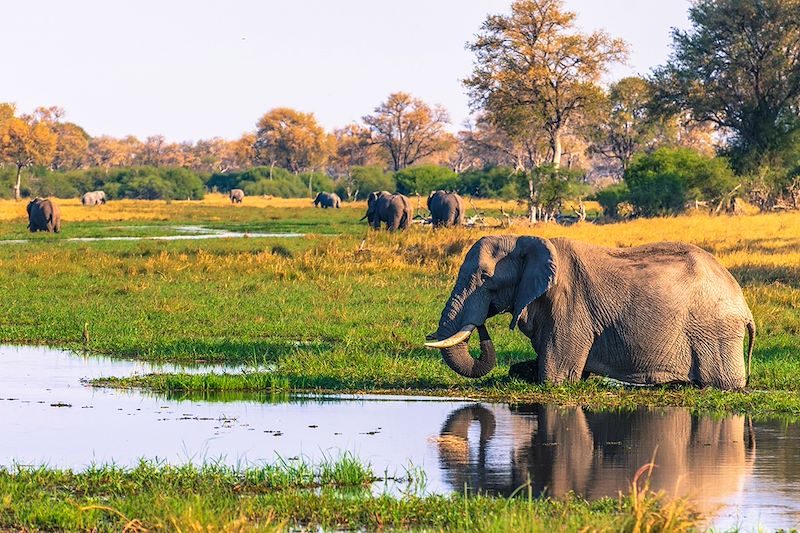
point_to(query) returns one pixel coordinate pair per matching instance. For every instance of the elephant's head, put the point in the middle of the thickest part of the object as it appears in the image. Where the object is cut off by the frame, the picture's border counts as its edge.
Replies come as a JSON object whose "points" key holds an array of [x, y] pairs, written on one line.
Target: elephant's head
{"points": [[500, 274], [372, 204]]}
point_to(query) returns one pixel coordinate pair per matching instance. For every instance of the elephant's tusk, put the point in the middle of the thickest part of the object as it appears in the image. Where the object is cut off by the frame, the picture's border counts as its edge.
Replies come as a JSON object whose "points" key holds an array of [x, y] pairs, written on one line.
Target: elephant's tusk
{"points": [[460, 336]]}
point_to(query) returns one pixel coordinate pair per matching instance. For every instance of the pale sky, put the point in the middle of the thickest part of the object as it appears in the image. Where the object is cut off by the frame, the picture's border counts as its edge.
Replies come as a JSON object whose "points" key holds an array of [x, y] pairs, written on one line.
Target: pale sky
{"points": [[192, 69]]}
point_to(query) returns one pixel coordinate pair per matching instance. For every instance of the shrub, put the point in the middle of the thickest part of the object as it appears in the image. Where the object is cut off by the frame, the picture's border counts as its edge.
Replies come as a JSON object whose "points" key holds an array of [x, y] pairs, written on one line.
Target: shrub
{"points": [[423, 179], [490, 182], [663, 182], [611, 198]]}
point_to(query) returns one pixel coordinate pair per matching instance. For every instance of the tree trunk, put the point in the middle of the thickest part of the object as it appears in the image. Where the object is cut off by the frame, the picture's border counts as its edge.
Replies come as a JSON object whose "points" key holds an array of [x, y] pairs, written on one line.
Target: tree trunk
{"points": [[531, 202], [557, 149], [17, 184]]}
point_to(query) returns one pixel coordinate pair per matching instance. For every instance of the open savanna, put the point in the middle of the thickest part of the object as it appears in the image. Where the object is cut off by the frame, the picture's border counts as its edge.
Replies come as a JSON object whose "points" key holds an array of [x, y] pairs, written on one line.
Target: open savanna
{"points": [[344, 308]]}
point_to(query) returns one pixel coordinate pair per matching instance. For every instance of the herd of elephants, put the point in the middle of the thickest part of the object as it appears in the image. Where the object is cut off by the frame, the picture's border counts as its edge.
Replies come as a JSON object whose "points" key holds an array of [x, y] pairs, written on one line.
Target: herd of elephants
{"points": [[661, 313]]}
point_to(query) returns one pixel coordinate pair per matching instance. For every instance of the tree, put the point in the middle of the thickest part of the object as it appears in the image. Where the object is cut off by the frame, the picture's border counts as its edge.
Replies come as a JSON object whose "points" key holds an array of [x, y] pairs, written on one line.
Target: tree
{"points": [[72, 146], [665, 181], [408, 128], [291, 139], [627, 124], [739, 68], [24, 142], [533, 59]]}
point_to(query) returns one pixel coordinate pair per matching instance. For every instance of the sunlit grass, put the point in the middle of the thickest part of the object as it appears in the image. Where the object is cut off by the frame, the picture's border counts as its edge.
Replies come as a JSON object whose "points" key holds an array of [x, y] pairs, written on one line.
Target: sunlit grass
{"points": [[349, 310], [277, 497]]}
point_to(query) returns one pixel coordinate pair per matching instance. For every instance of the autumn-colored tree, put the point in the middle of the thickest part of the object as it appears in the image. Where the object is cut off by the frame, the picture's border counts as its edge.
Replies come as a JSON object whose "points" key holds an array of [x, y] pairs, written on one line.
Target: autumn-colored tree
{"points": [[292, 140], [25, 142], [535, 60], [72, 146], [409, 129], [626, 123], [153, 151]]}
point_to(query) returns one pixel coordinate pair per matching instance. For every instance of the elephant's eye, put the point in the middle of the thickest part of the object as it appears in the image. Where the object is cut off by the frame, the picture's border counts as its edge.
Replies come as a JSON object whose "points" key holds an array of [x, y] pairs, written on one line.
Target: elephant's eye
{"points": [[485, 276]]}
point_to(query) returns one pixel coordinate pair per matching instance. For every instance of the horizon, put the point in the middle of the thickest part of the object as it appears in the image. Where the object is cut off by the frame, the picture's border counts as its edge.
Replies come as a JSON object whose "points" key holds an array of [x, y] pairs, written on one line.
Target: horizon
{"points": [[179, 83]]}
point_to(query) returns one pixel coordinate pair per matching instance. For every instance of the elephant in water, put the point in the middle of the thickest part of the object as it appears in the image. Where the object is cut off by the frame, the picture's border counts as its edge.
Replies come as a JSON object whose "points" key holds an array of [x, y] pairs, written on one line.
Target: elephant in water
{"points": [[94, 198], [43, 215], [327, 200], [596, 454], [447, 209], [392, 209], [236, 196], [659, 313]]}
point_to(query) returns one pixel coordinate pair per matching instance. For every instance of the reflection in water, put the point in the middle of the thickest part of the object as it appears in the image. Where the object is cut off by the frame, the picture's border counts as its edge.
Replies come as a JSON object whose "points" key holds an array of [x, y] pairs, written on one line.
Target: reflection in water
{"points": [[596, 454], [488, 447], [709, 459]]}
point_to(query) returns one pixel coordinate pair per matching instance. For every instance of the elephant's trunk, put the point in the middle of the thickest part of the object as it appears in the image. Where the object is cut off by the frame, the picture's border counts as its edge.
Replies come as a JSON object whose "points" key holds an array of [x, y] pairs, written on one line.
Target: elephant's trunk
{"points": [[458, 358]]}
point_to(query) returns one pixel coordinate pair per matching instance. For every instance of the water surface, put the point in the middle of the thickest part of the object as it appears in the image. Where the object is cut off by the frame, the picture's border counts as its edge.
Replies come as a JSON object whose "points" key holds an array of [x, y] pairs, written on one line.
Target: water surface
{"points": [[743, 472]]}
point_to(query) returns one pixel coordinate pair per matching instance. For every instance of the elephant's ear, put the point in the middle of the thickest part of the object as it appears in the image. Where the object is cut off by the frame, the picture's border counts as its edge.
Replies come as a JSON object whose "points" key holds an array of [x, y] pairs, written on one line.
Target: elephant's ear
{"points": [[539, 270]]}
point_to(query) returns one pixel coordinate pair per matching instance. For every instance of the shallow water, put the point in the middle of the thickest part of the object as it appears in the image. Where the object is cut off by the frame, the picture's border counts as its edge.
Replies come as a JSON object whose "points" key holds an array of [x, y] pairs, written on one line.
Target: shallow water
{"points": [[745, 473], [185, 233]]}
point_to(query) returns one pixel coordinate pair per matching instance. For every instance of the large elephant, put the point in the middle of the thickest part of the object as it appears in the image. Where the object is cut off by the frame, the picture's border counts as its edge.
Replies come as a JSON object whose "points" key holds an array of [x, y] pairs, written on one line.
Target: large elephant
{"points": [[559, 450], [653, 314], [43, 215], [94, 198], [392, 209], [327, 200], [236, 196], [447, 209]]}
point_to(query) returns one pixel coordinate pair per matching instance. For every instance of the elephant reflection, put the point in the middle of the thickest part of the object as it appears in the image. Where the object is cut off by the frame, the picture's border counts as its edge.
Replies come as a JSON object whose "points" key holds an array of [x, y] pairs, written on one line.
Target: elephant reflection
{"points": [[595, 454]]}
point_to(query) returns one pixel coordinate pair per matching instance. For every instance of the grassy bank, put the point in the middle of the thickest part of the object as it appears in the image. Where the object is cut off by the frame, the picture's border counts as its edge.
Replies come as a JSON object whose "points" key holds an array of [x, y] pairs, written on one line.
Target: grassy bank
{"points": [[348, 311], [276, 498]]}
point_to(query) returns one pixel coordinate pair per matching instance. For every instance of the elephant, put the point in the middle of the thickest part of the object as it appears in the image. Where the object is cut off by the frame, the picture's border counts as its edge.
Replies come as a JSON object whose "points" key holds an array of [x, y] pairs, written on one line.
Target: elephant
{"points": [[662, 313], [236, 196], [559, 450], [94, 198], [392, 209], [327, 200], [43, 215], [447, 209]]}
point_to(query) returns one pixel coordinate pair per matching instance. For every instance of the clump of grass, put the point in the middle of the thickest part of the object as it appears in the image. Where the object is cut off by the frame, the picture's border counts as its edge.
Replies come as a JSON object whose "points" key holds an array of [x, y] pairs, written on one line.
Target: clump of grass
{"points": [[217, 498]]}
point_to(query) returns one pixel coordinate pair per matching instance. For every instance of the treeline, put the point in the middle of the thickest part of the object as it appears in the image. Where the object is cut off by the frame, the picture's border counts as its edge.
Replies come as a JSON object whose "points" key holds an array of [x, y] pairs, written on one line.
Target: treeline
{"points": [[719, 122]]}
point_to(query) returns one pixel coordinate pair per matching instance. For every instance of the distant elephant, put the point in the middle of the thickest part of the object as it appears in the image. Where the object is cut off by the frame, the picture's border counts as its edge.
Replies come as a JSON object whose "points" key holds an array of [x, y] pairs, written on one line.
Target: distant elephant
{"points": [[43, 215], [94, 198], [447, 209], [327, 200], [236, 196], [654, 314], [392, 209], [559, 450]]}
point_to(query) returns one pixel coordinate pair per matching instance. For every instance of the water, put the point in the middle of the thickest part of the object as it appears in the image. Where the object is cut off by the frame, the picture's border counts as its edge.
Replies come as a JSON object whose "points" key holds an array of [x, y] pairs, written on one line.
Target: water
{"points": [[745, 473], [185, 233]]}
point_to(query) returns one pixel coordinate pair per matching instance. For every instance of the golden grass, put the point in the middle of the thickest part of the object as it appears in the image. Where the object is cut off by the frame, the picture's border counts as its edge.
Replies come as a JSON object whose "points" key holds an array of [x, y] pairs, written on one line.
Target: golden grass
{"points": [[165, 210]]}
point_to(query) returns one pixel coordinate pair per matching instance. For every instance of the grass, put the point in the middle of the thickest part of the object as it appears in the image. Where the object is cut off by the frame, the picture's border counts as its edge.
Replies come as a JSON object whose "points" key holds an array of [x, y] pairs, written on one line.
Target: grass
{"points": [[347, 311], [276, 498]]}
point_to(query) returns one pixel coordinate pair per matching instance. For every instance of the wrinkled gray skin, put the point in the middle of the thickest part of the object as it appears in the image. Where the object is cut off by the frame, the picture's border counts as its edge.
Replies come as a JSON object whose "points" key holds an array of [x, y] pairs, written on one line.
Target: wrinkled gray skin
{"points": [[43, 215], [236, 196], [94, 198], [447, 209], [327, 200], [659, 313], [394, 210]]}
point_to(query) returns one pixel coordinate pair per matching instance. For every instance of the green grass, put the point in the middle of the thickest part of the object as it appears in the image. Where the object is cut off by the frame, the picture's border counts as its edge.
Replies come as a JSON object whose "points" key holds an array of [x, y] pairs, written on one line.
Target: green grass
{"points": [[276, 498], [338, 313]]}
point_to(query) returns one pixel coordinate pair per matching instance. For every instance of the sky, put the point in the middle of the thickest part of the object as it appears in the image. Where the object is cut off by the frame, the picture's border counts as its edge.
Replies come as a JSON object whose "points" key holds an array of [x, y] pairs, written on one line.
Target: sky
{"points": [[194, 69]]}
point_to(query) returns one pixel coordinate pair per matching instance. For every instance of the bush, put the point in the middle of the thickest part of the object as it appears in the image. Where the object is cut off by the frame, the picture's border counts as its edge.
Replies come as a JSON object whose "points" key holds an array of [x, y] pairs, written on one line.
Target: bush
{"points": [[491, 182], [663, 182], [611, 197], [364, 180], [423, 179]]}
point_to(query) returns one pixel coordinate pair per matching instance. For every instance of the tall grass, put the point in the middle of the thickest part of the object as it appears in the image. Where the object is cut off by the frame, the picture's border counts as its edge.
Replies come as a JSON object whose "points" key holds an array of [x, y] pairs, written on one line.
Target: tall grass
{"points": [[216, 498], [344, 312]]}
